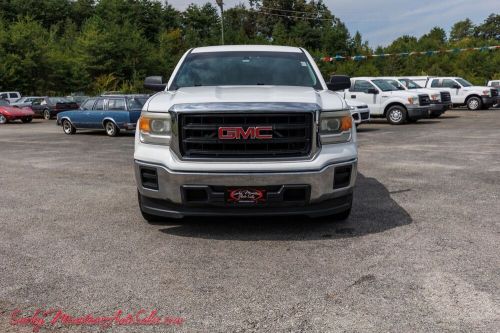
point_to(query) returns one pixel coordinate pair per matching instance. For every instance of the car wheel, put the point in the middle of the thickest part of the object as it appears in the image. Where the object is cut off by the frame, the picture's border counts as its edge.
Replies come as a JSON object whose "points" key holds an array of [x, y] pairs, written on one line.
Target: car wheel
{"points": [[111, 128], [46, 114], [396, 115], [149, 217], [27, 120], [474, 103], [68, 128], [3, 119]]}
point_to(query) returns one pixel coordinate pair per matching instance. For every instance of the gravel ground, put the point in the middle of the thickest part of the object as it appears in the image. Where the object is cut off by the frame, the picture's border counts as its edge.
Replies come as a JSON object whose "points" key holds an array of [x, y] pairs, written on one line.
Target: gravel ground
{"points": [[420, 252]]}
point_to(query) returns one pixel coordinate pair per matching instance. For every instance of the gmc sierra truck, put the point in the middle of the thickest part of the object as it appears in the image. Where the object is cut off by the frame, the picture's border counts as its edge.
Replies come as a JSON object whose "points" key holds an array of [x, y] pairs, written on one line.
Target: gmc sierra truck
{"points": [[245, 130]]}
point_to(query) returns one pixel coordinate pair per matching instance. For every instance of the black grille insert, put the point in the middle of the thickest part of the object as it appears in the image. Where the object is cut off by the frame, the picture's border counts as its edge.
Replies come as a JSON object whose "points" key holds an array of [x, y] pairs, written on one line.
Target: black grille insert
{"points": [[291, 135], [445, 97], [494, 92], [149, 178], [424, 100], [342, 177]]}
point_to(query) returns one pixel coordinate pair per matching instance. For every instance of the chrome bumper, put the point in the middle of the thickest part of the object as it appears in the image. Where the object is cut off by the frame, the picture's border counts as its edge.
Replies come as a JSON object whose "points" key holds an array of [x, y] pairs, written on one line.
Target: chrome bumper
{"points": [[170, 182]]}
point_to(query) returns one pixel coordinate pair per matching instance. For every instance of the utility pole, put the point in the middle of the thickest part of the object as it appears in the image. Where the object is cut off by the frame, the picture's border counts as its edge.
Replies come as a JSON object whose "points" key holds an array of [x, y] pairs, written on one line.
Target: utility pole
{"points": [[220, 3]]}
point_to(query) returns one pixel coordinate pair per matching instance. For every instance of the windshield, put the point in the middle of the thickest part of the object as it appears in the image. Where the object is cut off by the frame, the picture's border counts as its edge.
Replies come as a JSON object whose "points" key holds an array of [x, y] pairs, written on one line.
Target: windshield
{"points": [[396, 84], [55, 100], [4, 103], [464, 83], [384, 85], [410, 84], [246, 69], [136, 102]]}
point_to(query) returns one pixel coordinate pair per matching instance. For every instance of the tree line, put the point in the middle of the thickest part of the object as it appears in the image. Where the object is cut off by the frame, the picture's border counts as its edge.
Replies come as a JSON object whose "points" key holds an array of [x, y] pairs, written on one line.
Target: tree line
{"points": [[64, 46]]}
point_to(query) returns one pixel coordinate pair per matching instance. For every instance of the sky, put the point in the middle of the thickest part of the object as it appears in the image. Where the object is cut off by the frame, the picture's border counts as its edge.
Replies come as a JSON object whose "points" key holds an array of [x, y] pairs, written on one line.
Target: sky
{"points": [[382, 21]]}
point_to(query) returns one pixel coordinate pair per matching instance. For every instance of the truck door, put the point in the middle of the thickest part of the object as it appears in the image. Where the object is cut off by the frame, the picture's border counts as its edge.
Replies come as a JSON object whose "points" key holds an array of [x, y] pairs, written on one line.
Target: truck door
{"points": [[457, 94], [364, 91]]}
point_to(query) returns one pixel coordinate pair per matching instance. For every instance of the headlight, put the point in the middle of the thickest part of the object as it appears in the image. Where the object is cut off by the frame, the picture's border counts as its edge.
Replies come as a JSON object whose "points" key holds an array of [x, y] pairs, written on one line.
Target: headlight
{"points": [[486, 92], [413, 100], [155, 129], [335, 127], [352, 108], [436, 97]]}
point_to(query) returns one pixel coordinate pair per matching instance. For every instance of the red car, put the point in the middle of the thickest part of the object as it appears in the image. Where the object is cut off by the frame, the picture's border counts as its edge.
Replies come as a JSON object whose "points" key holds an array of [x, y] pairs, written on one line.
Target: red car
{"points": [[10, 113]]}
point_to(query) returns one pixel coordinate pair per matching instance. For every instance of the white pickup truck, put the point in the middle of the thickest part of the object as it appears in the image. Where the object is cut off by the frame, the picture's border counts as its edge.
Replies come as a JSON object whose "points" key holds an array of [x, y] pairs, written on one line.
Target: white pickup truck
{"points": [[440, 99], [386, 100], [242, 131], [465, 93]]}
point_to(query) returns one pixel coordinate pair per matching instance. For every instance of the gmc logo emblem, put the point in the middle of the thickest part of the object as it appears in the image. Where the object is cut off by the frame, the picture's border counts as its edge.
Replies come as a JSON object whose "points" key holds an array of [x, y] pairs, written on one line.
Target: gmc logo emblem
{"points": [[238, 133]]}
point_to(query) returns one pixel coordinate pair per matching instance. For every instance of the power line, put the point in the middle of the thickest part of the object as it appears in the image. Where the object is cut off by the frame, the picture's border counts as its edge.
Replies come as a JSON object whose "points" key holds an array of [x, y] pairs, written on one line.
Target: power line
{"points": [[290, 11], [298, 17]]}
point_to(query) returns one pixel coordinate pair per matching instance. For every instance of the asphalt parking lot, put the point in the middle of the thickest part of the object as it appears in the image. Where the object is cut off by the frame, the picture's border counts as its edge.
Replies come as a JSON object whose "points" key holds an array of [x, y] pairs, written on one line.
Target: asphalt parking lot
{"points": [[420, 252]]}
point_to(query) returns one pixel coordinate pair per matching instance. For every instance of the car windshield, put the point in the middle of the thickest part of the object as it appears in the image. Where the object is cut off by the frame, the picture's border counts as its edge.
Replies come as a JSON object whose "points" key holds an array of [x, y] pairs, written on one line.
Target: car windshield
{"points": [[464, 83], [55, 100], [136, 102], [396, 84], [4, 103], [410, 84], [384, 85], [246, 69]]}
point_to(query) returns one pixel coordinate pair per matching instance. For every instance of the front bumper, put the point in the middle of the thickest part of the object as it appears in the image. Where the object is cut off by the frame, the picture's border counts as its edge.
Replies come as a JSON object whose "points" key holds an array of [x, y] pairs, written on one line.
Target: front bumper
{"points": [[437, 109], [418, 112], [489, 101], [320, 176], [360, 116]]}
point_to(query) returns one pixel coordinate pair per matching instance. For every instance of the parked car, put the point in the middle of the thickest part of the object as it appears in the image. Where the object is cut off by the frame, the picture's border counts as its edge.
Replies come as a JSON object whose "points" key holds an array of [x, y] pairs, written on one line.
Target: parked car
{"points": [[10, 96], [440, 100], [79, 99], [25, 101], [385, 100], [11, 113], [359, 111], [49, 107], [465, 93], [110, 113]]}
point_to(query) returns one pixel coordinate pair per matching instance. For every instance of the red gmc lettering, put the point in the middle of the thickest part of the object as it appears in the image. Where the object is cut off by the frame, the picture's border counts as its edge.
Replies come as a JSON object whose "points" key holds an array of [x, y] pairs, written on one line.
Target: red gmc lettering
{"points": [[238, 133]]}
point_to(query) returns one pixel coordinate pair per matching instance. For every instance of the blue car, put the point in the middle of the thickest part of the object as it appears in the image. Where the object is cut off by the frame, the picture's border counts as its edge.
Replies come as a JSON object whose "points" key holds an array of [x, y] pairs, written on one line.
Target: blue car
{"points": [[111, 113]]}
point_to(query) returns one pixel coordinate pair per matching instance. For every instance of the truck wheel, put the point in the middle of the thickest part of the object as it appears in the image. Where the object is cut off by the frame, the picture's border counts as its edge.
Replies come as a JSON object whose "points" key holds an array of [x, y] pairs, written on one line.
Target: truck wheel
{"points": [[68, 128], [27, 120], [46, 114], [396, 115], [474, 103], [111, 128], [148, 217], [3, 119]]}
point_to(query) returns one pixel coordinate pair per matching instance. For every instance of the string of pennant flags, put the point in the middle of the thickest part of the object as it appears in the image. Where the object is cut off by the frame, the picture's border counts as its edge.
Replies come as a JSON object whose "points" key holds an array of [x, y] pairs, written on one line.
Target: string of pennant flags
{"points": [[339, 57]]}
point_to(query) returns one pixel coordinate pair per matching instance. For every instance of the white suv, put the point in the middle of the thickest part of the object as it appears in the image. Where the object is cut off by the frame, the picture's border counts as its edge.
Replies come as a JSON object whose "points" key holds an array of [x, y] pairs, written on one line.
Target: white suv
{"points": [[10, 96], [385, 100], [465, 93]]}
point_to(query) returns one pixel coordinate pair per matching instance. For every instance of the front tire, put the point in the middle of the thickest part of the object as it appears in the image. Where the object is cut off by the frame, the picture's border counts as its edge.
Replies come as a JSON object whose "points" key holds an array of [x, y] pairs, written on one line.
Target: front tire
{"points": [[474, 103], [68, 128], [27, 120], [111, 128], [46, 114], [3, 119], [396, 115]]}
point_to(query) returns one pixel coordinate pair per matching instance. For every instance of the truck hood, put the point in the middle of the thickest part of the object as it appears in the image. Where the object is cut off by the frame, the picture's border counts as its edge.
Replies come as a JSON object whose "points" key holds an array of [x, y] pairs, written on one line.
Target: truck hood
{"points": [[324, 99]]}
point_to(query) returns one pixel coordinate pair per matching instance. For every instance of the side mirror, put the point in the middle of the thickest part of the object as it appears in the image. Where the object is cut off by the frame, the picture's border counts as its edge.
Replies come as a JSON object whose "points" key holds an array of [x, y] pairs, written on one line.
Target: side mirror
{"points": [[154, 83], [372, 91], [456, 86], [339, 82]]}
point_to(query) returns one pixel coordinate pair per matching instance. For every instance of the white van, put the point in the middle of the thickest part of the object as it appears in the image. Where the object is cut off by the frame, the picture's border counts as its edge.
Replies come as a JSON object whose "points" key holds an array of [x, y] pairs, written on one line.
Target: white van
{"points": [[10, 96]]}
